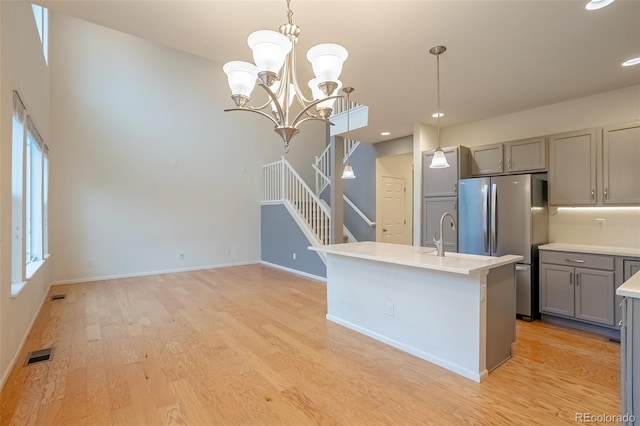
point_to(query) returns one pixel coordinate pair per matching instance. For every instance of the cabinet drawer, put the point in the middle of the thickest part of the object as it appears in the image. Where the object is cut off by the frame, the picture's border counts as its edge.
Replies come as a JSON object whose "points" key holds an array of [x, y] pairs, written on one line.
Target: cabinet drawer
{"points": [[577, 259]]}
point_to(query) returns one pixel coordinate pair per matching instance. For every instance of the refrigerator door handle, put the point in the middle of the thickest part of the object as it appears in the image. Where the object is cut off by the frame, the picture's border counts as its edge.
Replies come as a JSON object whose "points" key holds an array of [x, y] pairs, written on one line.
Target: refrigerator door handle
{"points": [[485, 218], [494, 208]]}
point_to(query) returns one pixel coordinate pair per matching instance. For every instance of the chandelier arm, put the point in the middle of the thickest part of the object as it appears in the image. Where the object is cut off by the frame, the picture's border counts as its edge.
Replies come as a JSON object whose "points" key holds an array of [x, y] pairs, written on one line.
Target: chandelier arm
{"points": [[313, 117], [294, 77], [308, 107], [274, 98], [256, 111]]}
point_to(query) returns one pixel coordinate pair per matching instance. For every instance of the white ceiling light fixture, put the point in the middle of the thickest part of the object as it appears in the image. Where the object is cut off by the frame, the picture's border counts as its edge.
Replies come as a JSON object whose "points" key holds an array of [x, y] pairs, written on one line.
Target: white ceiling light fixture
{"points": [[597, 4], [348, 173], [274, 54], [439, 161], [631, 62]]}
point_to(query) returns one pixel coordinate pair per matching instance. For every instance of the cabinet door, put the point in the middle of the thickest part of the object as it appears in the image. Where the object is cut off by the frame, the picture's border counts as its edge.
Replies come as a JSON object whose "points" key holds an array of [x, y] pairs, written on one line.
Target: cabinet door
{"points": [[440, 182], [572, 168], [486, 160], [630, 268], [594, 295], [525, 155], [621, 164], [556, 289], [433, 209]]}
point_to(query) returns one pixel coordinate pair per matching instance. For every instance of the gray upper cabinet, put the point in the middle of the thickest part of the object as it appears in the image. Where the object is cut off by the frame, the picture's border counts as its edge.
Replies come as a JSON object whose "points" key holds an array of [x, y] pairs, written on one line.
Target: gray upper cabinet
{"points": [[572, 168], [525, 155], [520, 156], [621, 164], [486, 160]]}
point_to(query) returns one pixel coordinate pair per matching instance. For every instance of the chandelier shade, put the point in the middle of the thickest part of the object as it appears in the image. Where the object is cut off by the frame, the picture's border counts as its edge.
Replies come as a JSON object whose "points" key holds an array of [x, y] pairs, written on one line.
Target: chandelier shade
{"points": [[274, 54], [241, 77], [326, 60], [270, 48]]}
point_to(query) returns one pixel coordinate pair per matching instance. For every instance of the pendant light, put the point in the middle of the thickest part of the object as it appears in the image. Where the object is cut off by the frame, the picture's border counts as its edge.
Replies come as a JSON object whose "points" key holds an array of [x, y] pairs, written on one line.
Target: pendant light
{"points": [[347, 173], [439, 161]]}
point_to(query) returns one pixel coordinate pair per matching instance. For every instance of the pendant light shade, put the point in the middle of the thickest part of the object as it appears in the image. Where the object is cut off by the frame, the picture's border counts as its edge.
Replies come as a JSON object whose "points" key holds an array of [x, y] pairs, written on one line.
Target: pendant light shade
{"points": [[348, 172], [439, 161]]}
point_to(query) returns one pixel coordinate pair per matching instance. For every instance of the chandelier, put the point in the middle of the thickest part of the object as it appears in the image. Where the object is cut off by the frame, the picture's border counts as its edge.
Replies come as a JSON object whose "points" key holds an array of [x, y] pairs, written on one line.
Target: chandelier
{"points": [[274, 54]]}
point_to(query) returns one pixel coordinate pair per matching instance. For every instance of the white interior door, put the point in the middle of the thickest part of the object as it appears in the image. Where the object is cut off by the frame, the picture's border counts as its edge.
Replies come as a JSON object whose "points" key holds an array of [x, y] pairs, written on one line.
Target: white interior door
{"points": [[393, 220]]}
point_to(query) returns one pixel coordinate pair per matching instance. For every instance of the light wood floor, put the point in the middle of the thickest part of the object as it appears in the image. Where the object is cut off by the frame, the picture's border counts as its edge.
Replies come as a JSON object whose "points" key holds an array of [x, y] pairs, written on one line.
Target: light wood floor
{"points": [[250, 345]]}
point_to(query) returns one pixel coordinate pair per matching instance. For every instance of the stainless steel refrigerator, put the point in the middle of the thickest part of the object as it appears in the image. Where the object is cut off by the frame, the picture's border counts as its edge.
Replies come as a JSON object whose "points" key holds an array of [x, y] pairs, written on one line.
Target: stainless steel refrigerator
{"points": [[507, 215]]}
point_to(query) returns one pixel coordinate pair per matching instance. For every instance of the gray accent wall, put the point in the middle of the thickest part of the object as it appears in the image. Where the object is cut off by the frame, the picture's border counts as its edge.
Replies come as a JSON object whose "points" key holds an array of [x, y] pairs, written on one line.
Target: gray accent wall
{"points": [[362, 192], [281, 237]]}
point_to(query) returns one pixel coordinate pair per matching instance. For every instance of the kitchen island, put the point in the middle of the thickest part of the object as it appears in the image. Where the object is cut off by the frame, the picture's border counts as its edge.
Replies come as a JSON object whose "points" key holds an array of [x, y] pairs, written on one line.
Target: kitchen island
{"points": [[456, 311]]}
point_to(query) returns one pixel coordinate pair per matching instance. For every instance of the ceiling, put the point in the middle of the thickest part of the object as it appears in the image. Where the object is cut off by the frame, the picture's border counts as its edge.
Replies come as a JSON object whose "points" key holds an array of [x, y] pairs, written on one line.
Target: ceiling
{"points": [[502, 57]]}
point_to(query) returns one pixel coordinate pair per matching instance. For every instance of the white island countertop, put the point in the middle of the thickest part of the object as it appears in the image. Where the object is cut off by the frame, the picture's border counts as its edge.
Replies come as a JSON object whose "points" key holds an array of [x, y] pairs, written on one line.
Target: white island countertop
{"points": [[419, 257], [631, 287], [584, 248]]}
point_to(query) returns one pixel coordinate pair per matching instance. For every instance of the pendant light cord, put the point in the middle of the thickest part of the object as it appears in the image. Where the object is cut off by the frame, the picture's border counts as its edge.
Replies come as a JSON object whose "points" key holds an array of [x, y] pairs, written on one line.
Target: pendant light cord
{"points": [[438, 113]]}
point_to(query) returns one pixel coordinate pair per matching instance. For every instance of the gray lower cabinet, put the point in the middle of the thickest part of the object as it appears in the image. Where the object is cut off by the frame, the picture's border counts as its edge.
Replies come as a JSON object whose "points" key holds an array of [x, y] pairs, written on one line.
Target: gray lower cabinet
{"points": [[630, 360], [584, 293], [433, 209]]}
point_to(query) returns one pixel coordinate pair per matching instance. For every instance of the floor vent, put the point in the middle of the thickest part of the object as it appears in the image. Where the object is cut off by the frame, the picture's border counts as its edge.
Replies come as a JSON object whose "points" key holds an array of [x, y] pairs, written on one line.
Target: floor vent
{"points": [[58, 296], [39, 356]]}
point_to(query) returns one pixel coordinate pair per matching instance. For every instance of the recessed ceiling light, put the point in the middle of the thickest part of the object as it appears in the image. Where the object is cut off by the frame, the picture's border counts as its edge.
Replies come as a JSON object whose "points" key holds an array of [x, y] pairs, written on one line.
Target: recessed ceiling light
{"points": [[385, 133], [630, 62], [597, 4], [438, 114]]}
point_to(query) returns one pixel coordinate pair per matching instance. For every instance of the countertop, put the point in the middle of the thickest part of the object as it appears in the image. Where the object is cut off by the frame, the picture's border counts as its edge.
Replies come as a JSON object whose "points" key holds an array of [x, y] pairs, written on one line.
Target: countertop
{"points": [[419, 257], [583, 248], [631, 287]]}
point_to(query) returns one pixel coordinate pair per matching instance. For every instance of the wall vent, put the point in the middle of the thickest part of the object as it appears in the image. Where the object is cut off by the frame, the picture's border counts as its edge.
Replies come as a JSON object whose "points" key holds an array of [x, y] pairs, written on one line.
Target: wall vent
{"points": [[39, 356], [58, 296]]}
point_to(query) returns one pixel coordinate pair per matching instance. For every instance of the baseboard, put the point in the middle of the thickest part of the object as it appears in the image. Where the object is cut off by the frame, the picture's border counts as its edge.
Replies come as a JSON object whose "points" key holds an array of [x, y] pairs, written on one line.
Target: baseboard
{"points": [[294, 271], [12, 364], [146, 274]]}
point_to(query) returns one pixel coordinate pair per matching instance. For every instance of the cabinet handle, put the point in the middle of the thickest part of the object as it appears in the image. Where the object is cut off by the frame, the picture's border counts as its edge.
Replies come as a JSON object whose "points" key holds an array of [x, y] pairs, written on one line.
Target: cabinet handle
{"points": [[571, 278], [500, 163], [508, 163], [455, 204], [620, 323], [620, 305], [577, 279], [575, 260], [606, 193], [455, 188], [593, 194]]}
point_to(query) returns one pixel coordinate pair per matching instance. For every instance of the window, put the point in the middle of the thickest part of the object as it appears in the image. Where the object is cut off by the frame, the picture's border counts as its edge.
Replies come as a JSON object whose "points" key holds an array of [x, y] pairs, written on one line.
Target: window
{"points": [[41, 15], [30, 193]]}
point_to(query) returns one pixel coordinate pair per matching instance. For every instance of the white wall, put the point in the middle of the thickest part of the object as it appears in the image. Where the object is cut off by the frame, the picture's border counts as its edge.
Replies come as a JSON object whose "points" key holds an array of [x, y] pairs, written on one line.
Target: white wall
{"points": [[22, 68], [147, 163]]}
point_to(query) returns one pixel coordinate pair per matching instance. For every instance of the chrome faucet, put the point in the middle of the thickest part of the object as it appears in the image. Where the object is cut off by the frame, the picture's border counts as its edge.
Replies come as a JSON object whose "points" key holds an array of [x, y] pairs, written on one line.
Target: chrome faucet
{"points": [[438, 242]]}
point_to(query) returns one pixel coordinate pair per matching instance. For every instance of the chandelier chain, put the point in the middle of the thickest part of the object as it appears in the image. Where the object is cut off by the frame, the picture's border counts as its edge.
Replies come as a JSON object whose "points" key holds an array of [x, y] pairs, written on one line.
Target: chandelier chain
{"points": [[289, 12]]}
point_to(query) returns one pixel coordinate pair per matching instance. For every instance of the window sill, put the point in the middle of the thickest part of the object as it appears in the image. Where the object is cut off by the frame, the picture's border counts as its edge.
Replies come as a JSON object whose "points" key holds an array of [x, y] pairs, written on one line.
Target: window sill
{"points": [[32, 268], [16, 288]]}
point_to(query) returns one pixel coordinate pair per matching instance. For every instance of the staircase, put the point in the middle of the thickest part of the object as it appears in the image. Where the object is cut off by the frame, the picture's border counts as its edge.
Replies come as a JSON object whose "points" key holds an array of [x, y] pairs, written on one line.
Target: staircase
{"points": [[283, 185]]}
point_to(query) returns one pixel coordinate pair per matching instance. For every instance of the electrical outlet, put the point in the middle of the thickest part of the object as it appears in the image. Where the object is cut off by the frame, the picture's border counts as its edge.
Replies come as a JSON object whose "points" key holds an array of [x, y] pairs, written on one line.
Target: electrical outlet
{"points": [[390, 309], [294, 256], [89, 262], [601, 223], [180, 256]]}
